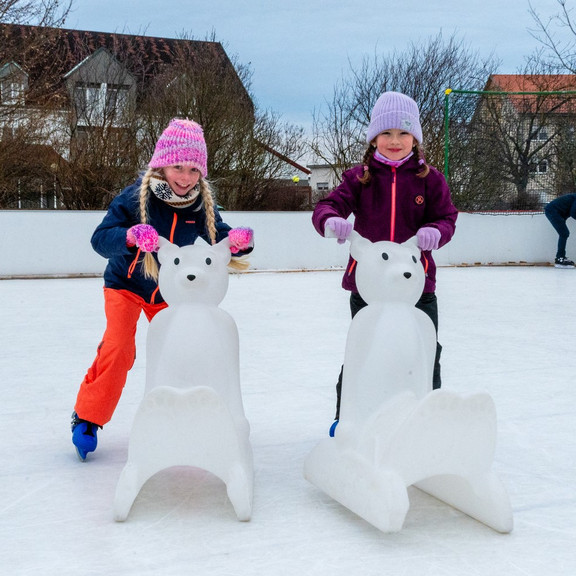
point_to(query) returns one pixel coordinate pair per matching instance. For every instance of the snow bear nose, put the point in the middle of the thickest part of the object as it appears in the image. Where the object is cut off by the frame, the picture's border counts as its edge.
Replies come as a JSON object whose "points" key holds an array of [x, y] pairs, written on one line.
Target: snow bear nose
{"points": [[191, 277], [407, 274]]}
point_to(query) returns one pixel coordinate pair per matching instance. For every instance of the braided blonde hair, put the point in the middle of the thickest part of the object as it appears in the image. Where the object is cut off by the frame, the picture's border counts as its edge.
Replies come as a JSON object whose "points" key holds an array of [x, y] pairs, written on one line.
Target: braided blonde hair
{"points": [[149, 264]]}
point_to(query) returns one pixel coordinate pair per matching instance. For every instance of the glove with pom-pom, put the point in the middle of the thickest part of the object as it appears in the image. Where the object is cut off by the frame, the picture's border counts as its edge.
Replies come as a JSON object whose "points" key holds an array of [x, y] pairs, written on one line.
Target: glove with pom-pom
{"points": [[428, 238], [143, 236], [337, 227], [241, 240]]}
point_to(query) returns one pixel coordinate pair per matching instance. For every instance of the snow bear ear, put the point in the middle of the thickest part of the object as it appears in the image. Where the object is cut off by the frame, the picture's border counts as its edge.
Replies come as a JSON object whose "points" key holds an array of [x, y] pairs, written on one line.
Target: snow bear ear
{"points": [[357, 245], [200, 241], [412, 245], [222, 248], [165, 248]]}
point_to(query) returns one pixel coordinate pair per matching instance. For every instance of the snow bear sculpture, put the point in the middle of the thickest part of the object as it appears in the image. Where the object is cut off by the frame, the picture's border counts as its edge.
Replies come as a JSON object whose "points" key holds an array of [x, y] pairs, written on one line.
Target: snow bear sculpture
{"points": [[192, 412], [394, 430]]}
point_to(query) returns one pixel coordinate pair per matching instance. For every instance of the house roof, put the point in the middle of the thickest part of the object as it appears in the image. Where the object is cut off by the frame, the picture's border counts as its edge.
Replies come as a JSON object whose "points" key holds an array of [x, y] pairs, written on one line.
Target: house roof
{"points": [[285, 158], [48, 54], [532, 84]]}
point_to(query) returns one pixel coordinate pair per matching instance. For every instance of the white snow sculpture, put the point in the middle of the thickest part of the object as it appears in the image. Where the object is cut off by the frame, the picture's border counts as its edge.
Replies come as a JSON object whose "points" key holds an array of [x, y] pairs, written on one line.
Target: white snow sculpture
{"points": [[192, 412], [394, 430]]}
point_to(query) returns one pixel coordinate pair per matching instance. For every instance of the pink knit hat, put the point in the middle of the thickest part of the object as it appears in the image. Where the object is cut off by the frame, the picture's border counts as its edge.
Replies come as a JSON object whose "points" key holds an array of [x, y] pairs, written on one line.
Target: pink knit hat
{"points": [[182, 142]]}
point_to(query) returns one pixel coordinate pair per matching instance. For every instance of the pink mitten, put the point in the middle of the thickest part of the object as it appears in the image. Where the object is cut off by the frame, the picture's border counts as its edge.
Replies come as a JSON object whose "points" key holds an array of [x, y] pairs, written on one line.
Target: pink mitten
{"points": [[241, 239], [428, 238], [337, 227], [143, 236]]}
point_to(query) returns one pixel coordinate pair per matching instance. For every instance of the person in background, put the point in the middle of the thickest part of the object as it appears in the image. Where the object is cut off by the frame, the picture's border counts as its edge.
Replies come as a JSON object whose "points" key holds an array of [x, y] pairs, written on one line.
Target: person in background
{"points": [[394, 195], [558, 211], [174, 200]]}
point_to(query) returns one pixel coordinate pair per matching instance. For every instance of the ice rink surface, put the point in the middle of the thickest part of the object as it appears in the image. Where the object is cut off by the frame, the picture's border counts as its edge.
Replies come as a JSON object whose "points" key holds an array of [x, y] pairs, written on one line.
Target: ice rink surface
{"points": [[510, 331]]}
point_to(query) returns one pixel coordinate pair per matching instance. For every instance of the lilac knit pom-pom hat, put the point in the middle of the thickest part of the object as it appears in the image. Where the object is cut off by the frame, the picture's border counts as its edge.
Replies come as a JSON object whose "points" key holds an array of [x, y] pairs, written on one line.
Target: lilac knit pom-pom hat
{"points": [[182, 142], [394, 110]]}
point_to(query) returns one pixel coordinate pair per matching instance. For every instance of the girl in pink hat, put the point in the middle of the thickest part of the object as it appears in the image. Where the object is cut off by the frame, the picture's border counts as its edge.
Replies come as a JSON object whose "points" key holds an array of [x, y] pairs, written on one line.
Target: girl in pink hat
{"points": [[174, 200]]}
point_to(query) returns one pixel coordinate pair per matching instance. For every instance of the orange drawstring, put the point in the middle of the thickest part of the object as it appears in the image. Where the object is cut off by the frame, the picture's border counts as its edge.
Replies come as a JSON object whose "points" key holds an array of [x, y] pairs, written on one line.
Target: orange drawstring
{"points": [[174, 221], [133, 265]]}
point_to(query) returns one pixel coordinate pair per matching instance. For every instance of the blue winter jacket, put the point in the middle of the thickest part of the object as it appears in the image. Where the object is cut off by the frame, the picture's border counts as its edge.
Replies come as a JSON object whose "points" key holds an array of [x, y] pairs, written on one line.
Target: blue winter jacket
{"points": [[179, 225], [564, 206], [392, 206]]}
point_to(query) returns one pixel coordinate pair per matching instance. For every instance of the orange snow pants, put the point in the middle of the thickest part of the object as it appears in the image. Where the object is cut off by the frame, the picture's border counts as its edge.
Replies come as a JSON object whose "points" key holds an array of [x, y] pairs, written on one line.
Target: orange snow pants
{"points": [[102, 386]]}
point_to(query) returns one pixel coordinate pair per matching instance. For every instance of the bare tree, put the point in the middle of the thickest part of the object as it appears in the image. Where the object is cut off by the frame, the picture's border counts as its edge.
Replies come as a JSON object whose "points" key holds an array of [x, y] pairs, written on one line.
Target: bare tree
{"points": [[25, 163], [511, 152], [239, 137], [103, 118], [37, 12], [423, 72], [557, 37]]}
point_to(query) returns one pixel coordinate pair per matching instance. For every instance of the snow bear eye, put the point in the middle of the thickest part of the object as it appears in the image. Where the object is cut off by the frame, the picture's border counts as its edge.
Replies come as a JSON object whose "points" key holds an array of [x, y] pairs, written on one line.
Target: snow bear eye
{"points": [[176, 261], [208, 261], [414, 258], [384, 255]]}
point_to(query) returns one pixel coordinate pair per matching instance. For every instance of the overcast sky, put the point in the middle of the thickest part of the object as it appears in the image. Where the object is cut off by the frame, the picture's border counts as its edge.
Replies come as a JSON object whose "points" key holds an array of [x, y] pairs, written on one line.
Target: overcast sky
{"points": [[299, 49]]}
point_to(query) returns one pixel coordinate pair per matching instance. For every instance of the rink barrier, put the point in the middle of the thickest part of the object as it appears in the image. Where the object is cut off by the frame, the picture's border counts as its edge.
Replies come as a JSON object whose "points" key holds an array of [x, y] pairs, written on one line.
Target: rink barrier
{"points": [[56, 244]]}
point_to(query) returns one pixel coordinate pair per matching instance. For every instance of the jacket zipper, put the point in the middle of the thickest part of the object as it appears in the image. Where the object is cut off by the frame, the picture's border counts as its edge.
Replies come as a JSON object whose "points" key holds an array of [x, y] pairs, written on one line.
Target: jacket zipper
{"points": [[392, 215], [393, 206]]}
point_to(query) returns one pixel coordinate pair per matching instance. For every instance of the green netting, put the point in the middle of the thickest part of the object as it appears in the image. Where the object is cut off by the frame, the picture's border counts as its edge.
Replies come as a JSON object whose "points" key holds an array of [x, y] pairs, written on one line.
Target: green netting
{"points": [[509, 151]]}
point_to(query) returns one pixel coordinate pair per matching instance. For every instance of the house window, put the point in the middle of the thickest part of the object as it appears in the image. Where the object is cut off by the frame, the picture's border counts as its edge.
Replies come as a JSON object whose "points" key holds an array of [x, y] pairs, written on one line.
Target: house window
{"points": [[542, 135], [116, 100], [88, 99], [11, 91], [322, 186], [539, 167], [96, 103]]}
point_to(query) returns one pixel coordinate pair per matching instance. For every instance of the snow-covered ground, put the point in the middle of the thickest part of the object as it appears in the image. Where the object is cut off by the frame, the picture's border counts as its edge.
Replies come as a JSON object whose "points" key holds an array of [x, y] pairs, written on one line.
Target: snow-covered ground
{"points": [[510, 331]]}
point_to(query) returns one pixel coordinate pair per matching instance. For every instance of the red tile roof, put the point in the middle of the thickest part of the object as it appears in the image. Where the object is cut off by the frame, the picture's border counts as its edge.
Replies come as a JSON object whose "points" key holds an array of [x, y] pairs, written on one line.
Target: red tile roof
{"points": [[531, 82], [532, 103]]}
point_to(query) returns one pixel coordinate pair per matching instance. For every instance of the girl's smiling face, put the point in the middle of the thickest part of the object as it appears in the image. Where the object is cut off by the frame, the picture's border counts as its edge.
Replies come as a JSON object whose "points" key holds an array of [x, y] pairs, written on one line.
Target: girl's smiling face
{"points": [[181, 178], [394, 144]]}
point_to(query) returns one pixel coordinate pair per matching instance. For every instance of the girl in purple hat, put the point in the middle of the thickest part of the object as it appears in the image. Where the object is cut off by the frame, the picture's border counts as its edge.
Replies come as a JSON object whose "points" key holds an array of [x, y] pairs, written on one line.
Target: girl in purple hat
{"points": [[174, 200], [394, 195]]}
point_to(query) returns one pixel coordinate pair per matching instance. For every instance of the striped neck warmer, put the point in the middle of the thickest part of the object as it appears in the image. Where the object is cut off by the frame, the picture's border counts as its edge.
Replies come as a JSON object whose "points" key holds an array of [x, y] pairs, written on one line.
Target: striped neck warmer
{"points": [[161, 189]]}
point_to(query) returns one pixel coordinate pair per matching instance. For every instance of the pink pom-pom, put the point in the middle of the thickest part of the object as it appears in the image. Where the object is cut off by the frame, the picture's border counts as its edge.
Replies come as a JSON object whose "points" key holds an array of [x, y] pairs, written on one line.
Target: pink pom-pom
{"points": [[144, 236], [240, 239], [130, 238]]}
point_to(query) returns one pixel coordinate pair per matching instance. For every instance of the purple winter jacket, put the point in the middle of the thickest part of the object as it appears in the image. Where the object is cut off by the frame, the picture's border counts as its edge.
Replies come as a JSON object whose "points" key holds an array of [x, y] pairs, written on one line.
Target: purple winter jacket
{"points": [[393, 206]]}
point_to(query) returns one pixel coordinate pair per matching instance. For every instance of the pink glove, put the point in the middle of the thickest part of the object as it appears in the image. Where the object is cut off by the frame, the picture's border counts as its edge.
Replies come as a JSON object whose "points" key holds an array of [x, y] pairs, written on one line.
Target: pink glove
{"points": [[241, 240], [337, 227], [143, 236], [428, 238]]}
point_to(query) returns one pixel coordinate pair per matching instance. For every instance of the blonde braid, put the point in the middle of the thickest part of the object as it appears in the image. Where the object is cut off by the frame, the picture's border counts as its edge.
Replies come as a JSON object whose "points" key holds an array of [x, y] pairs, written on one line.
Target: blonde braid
{"points": [[238, 264], [208, 199], [149, 263]]}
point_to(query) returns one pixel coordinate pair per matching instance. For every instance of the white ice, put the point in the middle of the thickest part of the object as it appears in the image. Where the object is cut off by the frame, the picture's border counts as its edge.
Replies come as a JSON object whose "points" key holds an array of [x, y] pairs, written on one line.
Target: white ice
{"points": [[509, 330]]}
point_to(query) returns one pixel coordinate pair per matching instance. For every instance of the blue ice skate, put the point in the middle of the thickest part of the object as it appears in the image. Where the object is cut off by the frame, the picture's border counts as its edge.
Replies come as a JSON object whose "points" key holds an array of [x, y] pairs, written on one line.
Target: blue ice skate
{"points": [[83, 436], [333, 428]]}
